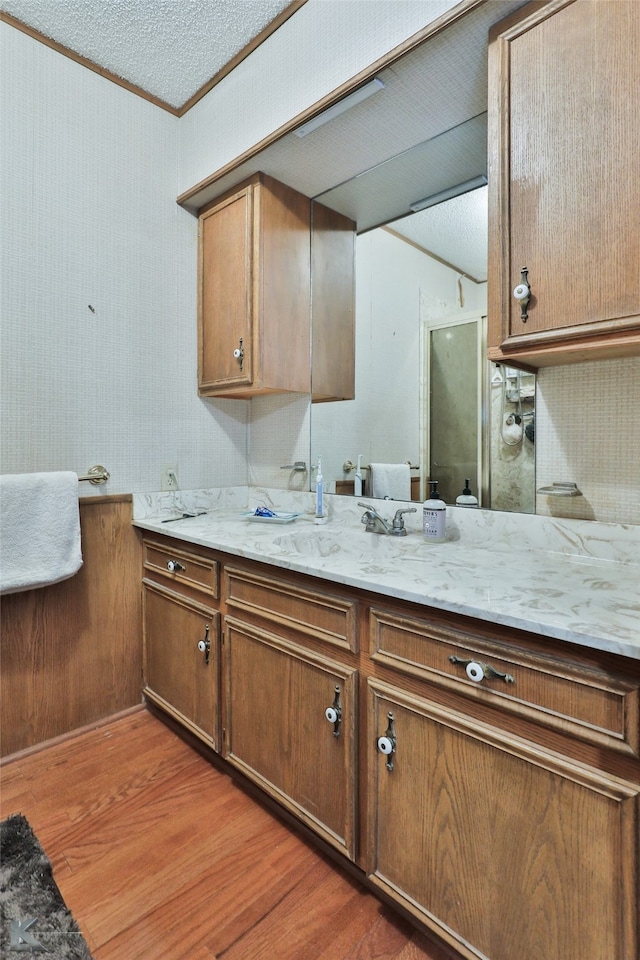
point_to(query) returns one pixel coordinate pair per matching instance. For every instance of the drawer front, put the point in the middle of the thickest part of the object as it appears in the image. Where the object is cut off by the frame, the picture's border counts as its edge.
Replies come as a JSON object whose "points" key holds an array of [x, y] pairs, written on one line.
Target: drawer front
{"points": [[315, 614], [182, 567], [587, 702]]}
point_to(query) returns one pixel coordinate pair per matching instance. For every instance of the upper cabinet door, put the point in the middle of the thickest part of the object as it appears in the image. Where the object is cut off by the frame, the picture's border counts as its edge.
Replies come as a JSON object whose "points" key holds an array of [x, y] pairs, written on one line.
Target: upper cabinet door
{"points": [[254, 310], [564, 134], [225, 321]]}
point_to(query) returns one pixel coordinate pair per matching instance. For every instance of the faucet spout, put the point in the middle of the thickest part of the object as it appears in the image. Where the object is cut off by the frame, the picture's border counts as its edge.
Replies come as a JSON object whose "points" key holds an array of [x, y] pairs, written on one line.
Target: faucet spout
{"points": [[374, 522]]}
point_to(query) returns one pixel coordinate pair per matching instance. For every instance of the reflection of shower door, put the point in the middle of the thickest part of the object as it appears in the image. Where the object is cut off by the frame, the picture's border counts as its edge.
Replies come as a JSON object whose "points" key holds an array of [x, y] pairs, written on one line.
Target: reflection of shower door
{"points": [[455, 389]]}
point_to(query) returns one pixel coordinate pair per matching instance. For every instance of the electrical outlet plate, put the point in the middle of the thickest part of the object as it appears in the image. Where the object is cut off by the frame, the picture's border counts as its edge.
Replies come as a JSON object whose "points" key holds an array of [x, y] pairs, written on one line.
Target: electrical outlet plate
{"points": [[169, 478]]}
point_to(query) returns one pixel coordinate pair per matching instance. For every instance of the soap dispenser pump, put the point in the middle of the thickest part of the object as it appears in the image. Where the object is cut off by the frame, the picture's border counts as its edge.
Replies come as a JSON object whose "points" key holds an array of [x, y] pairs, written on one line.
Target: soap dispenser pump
{"points": [[466, 498], [434, 516]]}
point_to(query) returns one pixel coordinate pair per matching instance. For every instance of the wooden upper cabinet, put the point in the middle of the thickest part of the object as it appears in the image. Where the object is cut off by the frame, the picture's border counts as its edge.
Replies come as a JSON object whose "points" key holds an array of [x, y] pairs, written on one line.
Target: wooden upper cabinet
{"points": [[255, 294], [564, 184], [254, 291]]}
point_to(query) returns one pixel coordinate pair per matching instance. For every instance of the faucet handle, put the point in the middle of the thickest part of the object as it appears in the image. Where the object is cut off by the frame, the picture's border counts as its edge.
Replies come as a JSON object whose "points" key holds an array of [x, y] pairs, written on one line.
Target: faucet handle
{"points": [[398, 528]]}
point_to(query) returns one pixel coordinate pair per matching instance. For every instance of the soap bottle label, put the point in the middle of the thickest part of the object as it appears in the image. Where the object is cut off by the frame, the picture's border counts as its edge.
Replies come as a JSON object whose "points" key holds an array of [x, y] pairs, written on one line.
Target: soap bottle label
{"points": [[434, 523]]}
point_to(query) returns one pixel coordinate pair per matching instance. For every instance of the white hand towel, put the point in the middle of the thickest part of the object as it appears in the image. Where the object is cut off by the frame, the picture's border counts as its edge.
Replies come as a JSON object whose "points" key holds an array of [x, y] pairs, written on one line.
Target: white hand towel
{"points": [[391, 480], [39, 530]]}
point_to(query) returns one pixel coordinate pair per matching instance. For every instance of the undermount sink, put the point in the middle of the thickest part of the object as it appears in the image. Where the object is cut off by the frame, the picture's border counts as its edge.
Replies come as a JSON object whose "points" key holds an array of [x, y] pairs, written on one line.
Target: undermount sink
{"points": [[352, 544]]}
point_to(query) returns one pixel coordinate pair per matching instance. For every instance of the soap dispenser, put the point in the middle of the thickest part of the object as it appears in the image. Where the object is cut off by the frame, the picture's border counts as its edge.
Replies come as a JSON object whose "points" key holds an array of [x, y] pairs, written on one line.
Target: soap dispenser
{"points": [[466, 498], [434, 516]]}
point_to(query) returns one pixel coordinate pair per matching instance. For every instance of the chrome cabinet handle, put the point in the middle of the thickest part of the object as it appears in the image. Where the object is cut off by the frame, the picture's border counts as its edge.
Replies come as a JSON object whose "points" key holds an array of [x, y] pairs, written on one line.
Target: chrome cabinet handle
{"points": [[522, 293], [478, 671], [204, 645], [334, 713], [387, 744], [174, 566]]}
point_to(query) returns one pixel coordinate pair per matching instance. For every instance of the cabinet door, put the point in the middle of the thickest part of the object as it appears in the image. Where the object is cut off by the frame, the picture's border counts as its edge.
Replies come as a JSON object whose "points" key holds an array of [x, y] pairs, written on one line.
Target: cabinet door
{"points": [[226, 306], [565, 203], [278, 734], [180, 677], [505, 850]]}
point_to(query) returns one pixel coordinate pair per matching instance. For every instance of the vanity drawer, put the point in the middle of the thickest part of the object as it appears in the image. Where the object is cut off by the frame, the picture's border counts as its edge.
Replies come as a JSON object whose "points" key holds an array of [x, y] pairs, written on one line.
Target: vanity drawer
{"points": [[589, 703], [314, 613], [182, 566]]}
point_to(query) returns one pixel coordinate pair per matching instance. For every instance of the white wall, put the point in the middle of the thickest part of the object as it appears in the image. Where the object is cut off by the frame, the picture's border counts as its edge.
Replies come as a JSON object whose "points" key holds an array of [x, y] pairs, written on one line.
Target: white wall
{"points": [[89, 180]]}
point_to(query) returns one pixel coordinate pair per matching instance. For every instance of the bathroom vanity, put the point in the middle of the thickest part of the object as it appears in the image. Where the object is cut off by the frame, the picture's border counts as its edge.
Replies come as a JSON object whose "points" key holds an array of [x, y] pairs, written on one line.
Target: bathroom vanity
{"points": [[477, 759]]}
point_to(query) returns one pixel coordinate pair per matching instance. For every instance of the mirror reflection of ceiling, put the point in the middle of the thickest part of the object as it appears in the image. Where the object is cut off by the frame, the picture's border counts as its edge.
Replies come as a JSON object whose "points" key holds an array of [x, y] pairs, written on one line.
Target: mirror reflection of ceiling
{"points": [[425, 131], [455, 232]]}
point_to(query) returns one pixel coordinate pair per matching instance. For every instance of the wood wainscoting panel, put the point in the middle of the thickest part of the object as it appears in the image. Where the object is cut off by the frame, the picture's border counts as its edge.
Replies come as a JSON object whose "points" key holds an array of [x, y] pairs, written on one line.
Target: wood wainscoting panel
{"points": [[71, 653]]}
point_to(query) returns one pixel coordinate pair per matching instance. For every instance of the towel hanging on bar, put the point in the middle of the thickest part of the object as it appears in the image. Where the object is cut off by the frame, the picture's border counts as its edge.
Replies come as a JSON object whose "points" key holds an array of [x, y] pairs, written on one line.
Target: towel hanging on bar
{"points": [[40, 529]]}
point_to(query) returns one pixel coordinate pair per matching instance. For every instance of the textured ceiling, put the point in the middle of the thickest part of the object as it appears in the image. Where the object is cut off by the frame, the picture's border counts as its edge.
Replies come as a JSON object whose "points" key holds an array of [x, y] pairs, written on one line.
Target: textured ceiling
{"points": [[168, 48]]}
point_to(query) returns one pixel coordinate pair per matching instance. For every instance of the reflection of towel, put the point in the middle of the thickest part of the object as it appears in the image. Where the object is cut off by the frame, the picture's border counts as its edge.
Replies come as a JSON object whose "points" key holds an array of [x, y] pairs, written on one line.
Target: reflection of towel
{"points": [[391, 480], [39, 530]]}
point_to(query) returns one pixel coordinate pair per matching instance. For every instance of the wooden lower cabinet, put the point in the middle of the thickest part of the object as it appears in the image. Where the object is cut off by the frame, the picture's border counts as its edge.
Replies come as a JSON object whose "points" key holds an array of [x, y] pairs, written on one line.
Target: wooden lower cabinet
{"points": [[506, 850], [179, 676], [504, 815], [278, 734]]}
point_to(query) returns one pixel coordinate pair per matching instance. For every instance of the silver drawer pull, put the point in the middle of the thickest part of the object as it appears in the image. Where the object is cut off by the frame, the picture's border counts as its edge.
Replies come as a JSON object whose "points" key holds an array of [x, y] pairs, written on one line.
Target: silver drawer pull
{"points": [[477, 671], [174, 566]]}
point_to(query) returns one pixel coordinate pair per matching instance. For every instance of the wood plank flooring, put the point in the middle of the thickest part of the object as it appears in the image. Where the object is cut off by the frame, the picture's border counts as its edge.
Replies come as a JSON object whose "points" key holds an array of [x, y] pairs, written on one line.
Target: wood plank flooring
{"points": [[162, 856]]}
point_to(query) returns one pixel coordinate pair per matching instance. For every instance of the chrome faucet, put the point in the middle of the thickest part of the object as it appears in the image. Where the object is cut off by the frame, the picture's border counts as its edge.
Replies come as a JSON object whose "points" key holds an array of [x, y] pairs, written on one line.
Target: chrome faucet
{"points": [[377, 524]]}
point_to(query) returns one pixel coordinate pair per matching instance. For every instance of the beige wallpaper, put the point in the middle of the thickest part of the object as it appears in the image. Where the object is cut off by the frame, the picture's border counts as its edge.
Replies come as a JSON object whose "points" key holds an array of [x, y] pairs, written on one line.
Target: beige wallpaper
{"points": [[587, 432]]}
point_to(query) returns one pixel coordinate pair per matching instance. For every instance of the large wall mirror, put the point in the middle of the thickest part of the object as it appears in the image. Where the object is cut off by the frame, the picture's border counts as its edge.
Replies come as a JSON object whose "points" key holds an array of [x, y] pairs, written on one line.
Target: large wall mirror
{"points": [[420, 304], [425, 393]]}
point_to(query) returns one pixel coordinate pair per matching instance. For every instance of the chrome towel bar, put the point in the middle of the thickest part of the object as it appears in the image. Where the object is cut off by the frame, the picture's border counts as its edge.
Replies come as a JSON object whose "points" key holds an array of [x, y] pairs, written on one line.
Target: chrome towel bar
{"points": [[348, 466]]}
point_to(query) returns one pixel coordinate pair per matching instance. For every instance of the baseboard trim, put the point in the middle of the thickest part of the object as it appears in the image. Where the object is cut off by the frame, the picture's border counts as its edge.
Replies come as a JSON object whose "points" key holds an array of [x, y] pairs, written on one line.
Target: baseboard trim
{"points": [[70, 735]]}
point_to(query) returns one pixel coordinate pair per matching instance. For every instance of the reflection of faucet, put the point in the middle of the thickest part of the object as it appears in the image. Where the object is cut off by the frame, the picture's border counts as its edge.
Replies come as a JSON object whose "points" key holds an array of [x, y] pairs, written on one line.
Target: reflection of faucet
{"points": [[377, 524]]}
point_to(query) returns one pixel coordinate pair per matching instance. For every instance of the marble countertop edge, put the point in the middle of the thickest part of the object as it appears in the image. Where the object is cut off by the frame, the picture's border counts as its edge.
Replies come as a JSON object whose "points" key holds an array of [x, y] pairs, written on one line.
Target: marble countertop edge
{"points": [[591, 602]]}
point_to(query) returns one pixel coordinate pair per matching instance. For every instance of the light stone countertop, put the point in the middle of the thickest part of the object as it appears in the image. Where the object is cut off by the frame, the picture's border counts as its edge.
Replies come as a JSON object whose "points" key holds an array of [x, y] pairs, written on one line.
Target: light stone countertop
{"points": [[572, 580]]}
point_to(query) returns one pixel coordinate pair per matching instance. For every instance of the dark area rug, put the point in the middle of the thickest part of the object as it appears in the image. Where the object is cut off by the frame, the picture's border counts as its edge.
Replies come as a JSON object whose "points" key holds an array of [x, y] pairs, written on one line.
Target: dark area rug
{"points": [[33, 916]]}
